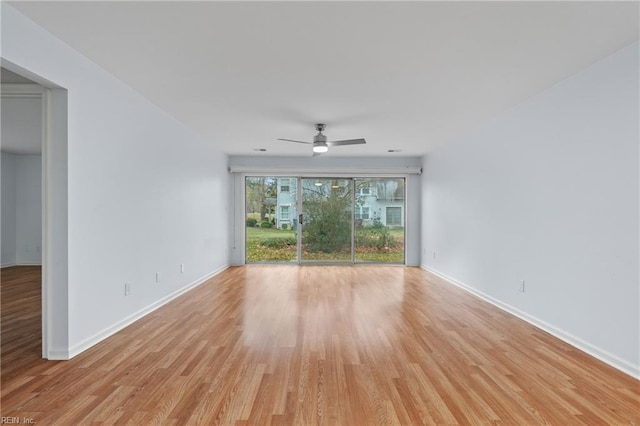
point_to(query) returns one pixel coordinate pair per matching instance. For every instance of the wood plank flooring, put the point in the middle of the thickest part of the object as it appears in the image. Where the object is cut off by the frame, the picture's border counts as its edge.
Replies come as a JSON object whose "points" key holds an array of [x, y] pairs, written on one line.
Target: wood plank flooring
{"points": [[330, 345], [20, 318]]}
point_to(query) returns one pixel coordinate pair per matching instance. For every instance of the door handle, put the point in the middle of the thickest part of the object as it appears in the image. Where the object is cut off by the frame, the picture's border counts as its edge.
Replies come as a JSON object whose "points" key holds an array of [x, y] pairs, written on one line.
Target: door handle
{"points": [[300, 218]]}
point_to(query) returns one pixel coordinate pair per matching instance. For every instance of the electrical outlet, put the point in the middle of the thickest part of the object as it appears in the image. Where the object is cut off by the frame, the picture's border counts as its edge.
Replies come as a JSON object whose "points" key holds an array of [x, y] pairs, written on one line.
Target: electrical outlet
{"points": [[127, 289], [521, 289], [157, 277], [182, 268]]}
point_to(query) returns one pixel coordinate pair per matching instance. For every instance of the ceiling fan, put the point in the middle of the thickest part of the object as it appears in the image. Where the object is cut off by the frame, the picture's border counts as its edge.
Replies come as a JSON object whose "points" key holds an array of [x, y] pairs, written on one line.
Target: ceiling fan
{"points": [[321, 144]]}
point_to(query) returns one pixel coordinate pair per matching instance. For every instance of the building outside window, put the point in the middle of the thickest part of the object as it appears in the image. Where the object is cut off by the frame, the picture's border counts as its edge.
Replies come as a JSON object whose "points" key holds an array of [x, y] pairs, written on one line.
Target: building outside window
{"points": [[362, 212], [394, 216], [284, 213], [365, 189]]}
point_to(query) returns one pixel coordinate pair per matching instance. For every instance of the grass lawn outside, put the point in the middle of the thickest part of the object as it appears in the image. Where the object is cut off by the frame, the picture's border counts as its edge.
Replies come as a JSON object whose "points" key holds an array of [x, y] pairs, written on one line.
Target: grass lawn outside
{"points": [[258, 252], [277, 245]]}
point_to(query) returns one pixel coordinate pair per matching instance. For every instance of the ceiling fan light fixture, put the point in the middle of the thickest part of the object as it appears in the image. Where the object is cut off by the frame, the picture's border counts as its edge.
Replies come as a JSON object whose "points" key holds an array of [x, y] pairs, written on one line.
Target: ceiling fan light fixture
{"points": [[320, 143], [319, 148]]}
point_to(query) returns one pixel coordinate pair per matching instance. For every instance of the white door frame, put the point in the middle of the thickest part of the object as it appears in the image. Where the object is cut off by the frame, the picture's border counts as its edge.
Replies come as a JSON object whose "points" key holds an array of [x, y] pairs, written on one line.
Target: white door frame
{"points": [[55, 205], [240, 173]]}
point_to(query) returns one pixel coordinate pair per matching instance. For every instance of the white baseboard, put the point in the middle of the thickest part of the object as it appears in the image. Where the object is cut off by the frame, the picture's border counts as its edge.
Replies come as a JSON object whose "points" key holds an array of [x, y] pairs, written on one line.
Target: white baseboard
{"points": [[604, 356], [55, 355], [109, 331], [8, 265]]}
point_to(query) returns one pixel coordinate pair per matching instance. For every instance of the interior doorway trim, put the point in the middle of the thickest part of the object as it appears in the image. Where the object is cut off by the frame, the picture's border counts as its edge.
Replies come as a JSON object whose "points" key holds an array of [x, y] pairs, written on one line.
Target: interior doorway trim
{"points": [[55, 253]]}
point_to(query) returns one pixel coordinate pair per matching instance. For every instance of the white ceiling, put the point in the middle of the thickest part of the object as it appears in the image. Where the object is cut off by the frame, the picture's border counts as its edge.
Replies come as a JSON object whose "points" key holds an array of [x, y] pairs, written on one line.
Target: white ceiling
{"points": [[403, 75]]}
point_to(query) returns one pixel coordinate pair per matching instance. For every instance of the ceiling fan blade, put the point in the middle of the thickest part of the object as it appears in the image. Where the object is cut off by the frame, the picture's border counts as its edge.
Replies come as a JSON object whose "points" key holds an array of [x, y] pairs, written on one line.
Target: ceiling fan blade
{"points": [[291, 140], [347, 142]]}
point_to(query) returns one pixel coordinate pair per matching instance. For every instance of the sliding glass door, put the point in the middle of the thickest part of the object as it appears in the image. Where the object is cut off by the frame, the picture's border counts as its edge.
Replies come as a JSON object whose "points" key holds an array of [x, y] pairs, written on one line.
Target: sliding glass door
{"points": [[324, 220], [327, 220], [379, 220], [271, 219]]}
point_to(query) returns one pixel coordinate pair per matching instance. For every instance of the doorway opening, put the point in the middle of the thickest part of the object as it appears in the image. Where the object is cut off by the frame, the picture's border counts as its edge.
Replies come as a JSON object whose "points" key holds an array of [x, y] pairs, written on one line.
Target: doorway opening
{"points": [[51, 247], [23, 112]]}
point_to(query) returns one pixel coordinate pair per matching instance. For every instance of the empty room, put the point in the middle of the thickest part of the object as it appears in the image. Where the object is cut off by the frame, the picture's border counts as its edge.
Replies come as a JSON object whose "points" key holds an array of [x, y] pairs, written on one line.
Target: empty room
{"points": [[305, 212]]}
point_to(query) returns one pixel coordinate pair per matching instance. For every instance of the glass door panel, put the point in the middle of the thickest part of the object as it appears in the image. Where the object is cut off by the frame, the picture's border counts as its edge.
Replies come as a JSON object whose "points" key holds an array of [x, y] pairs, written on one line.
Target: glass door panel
{"points": [[271, 219], [327, 207], [379, 220], [344, 220]]}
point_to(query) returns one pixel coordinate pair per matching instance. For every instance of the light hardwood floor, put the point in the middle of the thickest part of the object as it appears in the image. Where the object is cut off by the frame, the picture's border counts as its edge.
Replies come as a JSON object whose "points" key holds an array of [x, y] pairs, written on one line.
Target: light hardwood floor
{"points": [[20, 319], [333, 345]]}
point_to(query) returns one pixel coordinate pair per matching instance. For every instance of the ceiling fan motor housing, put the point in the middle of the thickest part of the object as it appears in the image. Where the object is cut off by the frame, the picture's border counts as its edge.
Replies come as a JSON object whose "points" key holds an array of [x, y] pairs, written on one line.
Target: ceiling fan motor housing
{"points": [[319, 138]]}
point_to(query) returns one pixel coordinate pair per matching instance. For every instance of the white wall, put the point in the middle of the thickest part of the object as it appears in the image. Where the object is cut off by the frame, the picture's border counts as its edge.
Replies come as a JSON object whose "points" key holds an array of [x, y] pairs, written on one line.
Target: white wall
{"points": [[21, 209], [8, 209], [548, 193], [21, 123], [29, 209], [144, 193], [329, 166], [21, 144]]}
